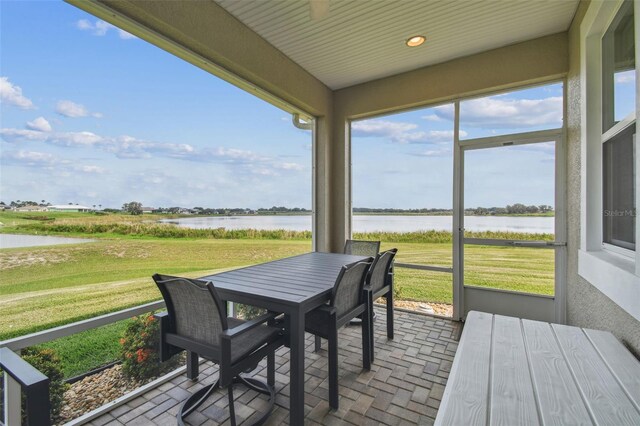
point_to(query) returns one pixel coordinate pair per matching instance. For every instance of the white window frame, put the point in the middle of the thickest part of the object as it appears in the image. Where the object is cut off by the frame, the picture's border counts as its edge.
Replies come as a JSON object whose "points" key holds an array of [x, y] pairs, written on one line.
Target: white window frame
{"points": [[612, 270]]}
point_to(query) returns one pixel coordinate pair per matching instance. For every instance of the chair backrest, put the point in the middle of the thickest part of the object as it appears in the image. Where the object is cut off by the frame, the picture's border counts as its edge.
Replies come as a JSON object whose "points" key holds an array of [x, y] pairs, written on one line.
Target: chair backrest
{"points": [[347, 291], [362, 248], [195, 309], [379, 272]]}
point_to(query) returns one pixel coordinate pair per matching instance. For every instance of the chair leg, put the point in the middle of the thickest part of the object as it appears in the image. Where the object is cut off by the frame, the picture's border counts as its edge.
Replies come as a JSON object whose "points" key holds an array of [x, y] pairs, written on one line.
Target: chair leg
{"points": [[194, 401], [193, 367], [232, 410], [333, 366], [371, 339], [390, 312], [366, 338], [271, 369], [317, 344]]}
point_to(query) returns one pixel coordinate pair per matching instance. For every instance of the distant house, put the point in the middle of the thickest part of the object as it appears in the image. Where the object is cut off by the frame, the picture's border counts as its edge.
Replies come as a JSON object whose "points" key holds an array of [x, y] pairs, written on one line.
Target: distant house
{"points": [[32, 208], [148, 209], [70, 208]]}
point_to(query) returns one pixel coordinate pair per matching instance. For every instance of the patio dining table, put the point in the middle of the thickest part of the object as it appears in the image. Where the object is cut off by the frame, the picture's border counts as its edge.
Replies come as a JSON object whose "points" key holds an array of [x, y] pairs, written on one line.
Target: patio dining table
{"points": [[293, 286]]}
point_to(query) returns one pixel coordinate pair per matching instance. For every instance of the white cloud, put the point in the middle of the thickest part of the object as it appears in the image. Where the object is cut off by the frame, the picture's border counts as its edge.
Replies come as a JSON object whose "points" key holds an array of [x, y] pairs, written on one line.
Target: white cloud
{"points": [[290, 166], [40, 124], [397, 132], [29, 158], [381, 127], [84, 24], [101, 28], [12, 95], [91, 169], [262, 171], [129, 147], [432, 117], [441, 152], [626, 77], [400, 132], [502, 112], [74, 139], [47, 161], [233, 155], [20, 135], [74, 110], [125, 35]]}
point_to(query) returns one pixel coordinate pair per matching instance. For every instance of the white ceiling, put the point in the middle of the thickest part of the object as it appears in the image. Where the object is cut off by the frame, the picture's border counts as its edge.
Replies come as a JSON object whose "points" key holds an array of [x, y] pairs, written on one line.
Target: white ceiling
{"points": [[362, 40]]}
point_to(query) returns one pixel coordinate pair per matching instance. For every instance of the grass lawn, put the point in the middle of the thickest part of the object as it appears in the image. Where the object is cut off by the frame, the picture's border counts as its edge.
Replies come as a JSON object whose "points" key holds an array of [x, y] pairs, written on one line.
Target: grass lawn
{"points": [[42, 287], [90, 349]]}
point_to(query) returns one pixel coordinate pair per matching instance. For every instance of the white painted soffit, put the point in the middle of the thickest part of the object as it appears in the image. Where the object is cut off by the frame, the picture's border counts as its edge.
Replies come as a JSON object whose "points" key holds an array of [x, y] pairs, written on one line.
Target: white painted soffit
{"points": [[362, 40]]}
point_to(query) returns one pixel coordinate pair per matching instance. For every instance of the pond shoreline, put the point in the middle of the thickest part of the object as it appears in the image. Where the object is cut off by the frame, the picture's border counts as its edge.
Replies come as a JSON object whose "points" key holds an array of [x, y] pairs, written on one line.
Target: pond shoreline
{"points": [[23, 240], [371, 223]]}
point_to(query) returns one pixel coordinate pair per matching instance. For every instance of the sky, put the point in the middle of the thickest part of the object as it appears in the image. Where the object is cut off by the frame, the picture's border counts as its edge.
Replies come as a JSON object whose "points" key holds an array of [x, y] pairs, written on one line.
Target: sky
{"points": [[413, 151], [95, 116]]}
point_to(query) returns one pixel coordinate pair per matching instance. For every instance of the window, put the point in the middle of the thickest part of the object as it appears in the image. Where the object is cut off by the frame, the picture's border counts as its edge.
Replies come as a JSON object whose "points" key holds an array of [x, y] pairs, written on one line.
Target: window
{"points": [[618, 125], [618, 171], [609, 160], [618, 68]]}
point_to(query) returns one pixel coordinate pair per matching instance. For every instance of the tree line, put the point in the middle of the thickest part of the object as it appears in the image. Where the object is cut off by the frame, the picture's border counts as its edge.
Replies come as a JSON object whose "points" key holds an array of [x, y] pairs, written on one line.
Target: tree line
{"points": [[517, 208]]}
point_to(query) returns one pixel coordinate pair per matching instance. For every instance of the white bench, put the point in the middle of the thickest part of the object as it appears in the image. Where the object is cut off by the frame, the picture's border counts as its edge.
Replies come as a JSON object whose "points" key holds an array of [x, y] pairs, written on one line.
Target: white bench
{"points": [[509, 371]]}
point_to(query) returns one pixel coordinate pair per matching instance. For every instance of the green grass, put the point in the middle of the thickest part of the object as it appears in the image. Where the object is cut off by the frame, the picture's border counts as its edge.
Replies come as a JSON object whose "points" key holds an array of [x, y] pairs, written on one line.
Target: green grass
{"points": [[90, 349], [43, 287]]}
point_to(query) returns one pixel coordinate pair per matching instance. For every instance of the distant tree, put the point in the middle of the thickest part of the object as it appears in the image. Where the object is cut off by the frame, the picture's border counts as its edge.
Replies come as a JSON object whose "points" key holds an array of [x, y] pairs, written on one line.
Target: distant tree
{"points": [[517, 209], [532, 209], [134, 208]]}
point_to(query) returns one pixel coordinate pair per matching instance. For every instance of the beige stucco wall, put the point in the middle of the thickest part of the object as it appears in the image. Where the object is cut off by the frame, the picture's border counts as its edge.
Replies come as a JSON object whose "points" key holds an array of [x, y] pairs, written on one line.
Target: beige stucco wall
{"points": [[586, 305], [533, 61]]}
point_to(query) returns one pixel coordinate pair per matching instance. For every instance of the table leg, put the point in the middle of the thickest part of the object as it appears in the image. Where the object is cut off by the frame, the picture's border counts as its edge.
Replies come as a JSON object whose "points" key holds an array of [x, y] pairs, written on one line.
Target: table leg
{"points": [[296, 373]]}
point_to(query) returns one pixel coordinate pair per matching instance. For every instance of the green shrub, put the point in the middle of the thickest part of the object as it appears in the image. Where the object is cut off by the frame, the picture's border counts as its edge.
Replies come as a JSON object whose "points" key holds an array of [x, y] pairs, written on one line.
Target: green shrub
{"points": [[248, 312], [48, 363], [140, 349]]}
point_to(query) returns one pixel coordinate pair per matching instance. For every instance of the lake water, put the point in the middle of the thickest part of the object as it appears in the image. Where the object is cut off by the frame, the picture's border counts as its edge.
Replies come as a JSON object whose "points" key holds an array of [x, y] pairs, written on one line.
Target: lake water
{"points": [[14, 241], [372, 223]]}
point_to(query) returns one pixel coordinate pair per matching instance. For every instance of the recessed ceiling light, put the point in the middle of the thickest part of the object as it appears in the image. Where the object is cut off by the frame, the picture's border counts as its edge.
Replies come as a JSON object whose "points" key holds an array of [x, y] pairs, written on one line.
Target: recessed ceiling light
{"points": [[416, 40]]}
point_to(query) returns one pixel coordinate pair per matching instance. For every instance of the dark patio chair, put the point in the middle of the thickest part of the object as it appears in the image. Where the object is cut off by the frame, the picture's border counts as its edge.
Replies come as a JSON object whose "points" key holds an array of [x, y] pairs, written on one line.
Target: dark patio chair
{"points": [[196, 321], [362, 247], [380, 284], [348, 300]]}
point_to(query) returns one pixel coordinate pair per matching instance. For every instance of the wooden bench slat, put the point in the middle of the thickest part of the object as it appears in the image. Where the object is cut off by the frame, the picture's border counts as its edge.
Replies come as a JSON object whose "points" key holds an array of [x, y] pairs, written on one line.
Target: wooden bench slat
{"points": [[509, 371], [608, 403], [512, 398], [624, 366], [466, 395], [559, 399]]}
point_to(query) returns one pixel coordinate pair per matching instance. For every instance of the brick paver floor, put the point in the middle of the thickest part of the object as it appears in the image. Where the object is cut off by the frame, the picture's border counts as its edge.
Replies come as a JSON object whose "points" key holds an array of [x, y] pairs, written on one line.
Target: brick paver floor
{"points": [[405, 384]]}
